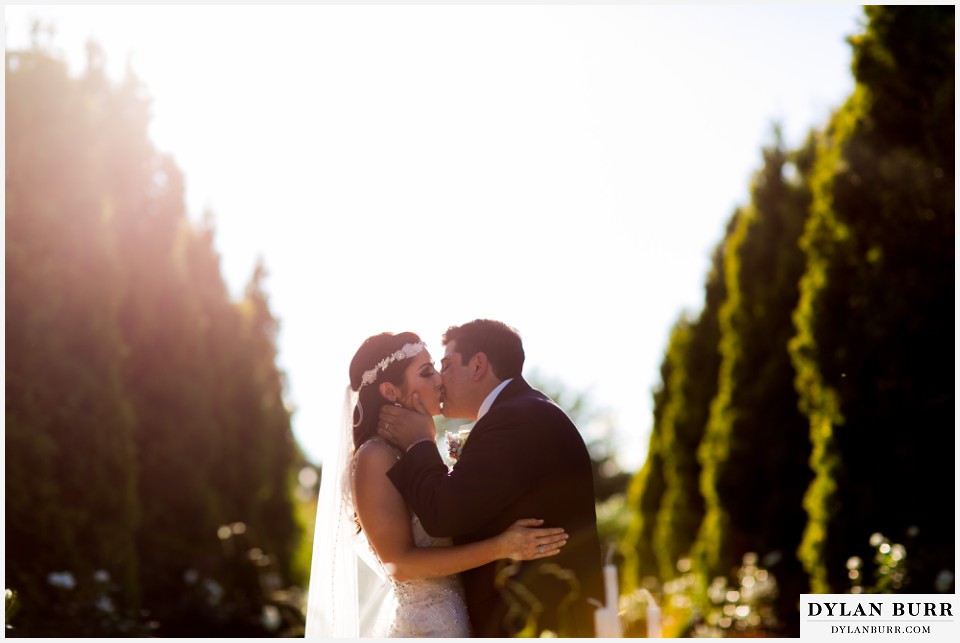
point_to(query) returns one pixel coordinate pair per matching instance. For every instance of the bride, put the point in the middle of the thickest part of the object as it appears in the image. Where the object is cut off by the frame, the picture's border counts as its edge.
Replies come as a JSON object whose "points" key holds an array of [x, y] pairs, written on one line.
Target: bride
{"points": [[376, 572]]}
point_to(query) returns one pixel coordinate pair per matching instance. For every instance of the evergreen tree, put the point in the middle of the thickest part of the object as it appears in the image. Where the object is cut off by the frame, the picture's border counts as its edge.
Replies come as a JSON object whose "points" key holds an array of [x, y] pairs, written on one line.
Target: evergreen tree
{"points": [[269, 428], [757, 443], [644, 496], [665, 495], [694, 378], [681, 507], [167, 372], [71, 475], [144, 409], [875, 318]]}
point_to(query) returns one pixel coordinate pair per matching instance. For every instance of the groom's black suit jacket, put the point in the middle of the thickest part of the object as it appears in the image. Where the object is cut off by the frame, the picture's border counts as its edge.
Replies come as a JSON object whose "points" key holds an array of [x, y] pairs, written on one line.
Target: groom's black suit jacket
{"points": [[523, 459]]}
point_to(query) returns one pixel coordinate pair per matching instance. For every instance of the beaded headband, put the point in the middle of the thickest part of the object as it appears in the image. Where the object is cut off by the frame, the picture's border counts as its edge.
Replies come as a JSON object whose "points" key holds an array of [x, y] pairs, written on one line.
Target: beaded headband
{"points": [[406, 352]]}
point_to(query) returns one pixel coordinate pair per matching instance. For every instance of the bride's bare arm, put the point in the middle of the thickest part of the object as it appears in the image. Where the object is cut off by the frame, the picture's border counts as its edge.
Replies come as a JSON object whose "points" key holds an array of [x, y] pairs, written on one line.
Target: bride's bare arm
{"points": [[384, 517]]}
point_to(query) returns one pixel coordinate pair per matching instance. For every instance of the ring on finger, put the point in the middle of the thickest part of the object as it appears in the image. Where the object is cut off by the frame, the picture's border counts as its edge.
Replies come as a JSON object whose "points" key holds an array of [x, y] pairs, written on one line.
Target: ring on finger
{"points": [[541, 549]]}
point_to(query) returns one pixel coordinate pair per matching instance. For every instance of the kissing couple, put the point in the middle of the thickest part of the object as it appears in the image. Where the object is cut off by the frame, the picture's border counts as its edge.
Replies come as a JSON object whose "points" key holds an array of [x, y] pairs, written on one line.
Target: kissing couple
{"points": [[503, 542]]}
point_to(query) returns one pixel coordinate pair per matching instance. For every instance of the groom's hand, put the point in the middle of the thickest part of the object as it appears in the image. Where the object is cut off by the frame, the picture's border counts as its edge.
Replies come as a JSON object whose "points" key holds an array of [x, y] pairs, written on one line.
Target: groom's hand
{"points": [[404, 427]]}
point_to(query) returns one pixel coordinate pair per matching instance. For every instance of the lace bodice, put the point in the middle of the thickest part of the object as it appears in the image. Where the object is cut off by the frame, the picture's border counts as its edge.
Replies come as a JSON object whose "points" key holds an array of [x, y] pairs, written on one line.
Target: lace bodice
{"points": [[428, 607]]}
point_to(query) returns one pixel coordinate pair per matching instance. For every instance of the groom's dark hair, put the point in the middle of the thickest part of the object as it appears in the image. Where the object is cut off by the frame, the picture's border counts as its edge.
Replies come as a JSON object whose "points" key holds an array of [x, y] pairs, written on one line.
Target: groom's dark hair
{"points": [[499, 342]]}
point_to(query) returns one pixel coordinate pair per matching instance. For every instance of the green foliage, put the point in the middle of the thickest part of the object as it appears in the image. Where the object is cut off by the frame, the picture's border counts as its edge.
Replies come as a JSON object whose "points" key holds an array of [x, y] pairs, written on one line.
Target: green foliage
{"points": [[644, 495], [693, 378], [640, 564], [305, 513], [10, 606], [71, 475], [681, 507], [665, 495], [875, 312], [756, 431], [890, 565], [740, 606], [613, 519], [144, 408], [830, 412]]}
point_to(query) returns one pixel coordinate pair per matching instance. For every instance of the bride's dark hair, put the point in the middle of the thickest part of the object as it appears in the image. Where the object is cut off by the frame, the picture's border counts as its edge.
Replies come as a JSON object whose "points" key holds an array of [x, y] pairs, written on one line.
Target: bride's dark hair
{"points": [[371, 352]]}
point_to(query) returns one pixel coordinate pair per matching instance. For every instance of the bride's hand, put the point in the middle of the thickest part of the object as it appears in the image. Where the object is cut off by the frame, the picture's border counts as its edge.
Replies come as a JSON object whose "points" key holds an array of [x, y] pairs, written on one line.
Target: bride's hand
{"points": [[523, 540]]}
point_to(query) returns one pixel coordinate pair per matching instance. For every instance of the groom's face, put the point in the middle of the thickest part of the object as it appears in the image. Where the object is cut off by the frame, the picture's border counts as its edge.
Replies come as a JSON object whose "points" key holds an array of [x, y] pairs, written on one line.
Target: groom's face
{"points": [[457, 384]]}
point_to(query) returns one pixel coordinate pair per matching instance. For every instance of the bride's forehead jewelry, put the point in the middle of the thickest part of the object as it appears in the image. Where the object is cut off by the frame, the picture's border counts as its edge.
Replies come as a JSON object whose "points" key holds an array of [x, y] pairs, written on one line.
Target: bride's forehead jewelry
{"points": [[406, 352]]}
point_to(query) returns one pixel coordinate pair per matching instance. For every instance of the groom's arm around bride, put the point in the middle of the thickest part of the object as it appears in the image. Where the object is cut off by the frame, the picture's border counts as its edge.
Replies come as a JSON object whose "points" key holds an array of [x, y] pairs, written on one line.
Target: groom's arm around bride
{"points": [[524, 458]]}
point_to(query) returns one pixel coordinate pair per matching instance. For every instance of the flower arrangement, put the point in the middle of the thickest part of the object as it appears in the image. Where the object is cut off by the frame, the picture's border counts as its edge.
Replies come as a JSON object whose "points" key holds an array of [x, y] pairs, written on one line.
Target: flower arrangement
{"points": [[455, 442]]}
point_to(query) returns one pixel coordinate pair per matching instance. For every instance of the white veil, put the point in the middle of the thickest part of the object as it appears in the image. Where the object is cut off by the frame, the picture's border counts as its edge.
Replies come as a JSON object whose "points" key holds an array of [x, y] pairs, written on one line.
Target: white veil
{"points": [[349, 594]]}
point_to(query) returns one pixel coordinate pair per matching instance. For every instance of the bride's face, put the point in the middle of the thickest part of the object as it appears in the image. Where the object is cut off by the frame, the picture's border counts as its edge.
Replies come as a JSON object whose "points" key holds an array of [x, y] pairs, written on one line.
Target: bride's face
{"points": [[421, 377]]}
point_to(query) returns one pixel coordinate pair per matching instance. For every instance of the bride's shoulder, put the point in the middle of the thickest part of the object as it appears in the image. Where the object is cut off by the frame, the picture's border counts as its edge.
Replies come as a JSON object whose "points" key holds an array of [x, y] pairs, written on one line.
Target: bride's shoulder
{"points": [[376, 453]]}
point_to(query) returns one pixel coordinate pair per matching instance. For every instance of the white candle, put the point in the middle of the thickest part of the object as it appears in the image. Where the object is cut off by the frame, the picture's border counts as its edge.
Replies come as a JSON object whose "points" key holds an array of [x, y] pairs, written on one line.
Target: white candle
{"points": [[607, 618], [653, 620], [607, 623], [653, 615], [612, 587]]}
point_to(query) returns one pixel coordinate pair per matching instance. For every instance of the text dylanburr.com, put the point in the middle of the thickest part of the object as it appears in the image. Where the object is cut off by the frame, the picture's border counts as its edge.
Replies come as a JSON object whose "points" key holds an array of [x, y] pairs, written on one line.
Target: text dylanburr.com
{"points": [[891, 617]]}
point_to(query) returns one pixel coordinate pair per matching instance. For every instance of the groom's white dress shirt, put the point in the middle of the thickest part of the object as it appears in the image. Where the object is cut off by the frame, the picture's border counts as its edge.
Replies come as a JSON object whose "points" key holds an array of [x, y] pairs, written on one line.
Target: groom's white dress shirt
{"points": [[491, 398], [487, 403]]}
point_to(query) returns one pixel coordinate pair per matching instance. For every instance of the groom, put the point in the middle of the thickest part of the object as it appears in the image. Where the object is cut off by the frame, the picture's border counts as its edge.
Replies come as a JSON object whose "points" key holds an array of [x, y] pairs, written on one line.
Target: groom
{"points": [[524, 459]]}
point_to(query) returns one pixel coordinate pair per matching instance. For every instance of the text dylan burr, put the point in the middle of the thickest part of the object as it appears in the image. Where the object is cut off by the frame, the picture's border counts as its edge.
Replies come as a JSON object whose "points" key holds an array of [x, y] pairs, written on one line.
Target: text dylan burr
{"points": [[880, 609]]}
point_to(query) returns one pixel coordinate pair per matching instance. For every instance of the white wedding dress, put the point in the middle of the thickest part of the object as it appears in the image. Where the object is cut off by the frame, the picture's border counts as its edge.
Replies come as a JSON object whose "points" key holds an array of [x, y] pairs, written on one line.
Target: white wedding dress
{"points": [[350, 594], [429, 607]]}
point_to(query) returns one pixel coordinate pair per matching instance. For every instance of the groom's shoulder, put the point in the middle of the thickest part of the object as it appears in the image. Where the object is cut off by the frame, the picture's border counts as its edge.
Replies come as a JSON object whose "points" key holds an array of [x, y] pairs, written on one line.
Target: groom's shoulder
{"points": [[528, 401]]}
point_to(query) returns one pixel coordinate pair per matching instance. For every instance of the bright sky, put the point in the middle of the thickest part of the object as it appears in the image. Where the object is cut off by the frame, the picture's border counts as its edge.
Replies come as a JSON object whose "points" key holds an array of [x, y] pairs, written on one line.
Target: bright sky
{"points": [[567, 169]]}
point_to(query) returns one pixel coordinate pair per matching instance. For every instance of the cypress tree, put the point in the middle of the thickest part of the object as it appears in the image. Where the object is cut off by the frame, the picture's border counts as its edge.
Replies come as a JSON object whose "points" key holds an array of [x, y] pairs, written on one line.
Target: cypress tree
{"points": [[144, 408], [644, 495], [694, 378], [169, 367], [269, 428], [757, 443], [664, 496], [875, 318], [71, 475], [681, 507]]}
